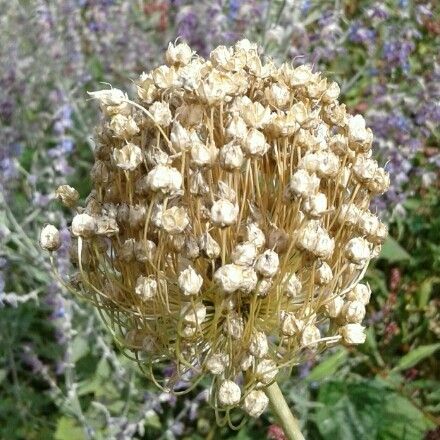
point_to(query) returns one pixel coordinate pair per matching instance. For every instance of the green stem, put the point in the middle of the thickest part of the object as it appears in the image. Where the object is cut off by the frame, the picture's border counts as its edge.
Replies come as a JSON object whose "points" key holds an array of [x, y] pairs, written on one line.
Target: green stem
{"points": [[282, 412]]}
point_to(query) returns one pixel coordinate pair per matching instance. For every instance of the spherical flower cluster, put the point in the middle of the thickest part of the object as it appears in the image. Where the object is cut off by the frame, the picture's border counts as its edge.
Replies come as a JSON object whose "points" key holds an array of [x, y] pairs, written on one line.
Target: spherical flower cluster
{"points": [[228, 228]]}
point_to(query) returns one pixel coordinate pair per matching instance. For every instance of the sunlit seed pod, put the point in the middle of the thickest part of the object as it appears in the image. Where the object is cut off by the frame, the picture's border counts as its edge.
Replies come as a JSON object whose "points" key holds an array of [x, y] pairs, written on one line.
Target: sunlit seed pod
{"points": [[361, 292], [145, 251], [180, 137], [353, 311], [258, 345], [190, 282], [123, 127], [226, 192], [217, 362], [290, 324], [128, 158], [249, 280], [255, 403], [359, 136], [161, 113], [291, 285], [277, 95], [110, 97], [203, 155], [358, 251], [328, 164], [334, 307], [146, 89], [146, 288], [50, 239], [364, 169], [175, 220], [231, 156], [353, 334], [178, 54], [349, 214], [315, 205], [323, 274], [164, 179], [266, 371], [316, 240], [221, 56], [310, 336], [302, 184], [224, 213], [83, 225], [164, 77], [255, 144], [267, 264], [209, 246], [255, 235], [380, 182], [246, 361], [254, 114], [263, 287], [106, 226], [229, 393], [194, 314], [67, 195], [332, 93], [234, 326], [229, 277]]}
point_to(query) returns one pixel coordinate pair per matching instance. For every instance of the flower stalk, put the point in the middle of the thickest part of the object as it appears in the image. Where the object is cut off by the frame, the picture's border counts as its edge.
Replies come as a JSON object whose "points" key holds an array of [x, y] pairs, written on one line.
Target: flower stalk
{"points": [[283, 413]]}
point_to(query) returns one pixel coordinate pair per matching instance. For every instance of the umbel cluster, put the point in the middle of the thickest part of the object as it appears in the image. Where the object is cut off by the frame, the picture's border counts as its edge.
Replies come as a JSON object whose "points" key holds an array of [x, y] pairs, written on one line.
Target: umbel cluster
{"points": [[228, 228]]}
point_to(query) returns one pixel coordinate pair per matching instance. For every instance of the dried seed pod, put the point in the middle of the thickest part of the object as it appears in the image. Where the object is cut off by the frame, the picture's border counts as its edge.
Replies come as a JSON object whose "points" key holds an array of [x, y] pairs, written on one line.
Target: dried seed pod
{"points": [[190, 282], [146, 288], [50, 238], [229, 393], [69, 196], [353, 334], [255, 403], [84, 225]]}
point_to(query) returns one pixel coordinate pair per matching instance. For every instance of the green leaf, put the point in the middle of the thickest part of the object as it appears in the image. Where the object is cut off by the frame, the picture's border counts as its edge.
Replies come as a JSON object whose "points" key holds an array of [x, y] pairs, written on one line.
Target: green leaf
{"points": [[366, 410], [425, 290], [328, 367], [79, 348], [393, 252], [68, 429], [415, 356]]}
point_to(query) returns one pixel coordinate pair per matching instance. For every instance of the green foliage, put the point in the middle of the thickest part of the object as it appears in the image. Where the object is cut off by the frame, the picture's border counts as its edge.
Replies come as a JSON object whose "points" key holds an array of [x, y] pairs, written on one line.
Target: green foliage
{"points": [[366, 409]]}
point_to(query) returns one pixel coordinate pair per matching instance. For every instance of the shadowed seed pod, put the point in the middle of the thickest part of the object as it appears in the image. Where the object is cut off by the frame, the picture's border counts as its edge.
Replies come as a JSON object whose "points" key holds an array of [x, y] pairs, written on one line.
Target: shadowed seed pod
{"points": [[228, 228]]}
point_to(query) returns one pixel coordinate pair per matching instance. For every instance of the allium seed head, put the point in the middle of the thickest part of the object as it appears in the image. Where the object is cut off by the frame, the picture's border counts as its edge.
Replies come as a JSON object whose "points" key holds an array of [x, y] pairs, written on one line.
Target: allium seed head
{"points": [[228, 228]]}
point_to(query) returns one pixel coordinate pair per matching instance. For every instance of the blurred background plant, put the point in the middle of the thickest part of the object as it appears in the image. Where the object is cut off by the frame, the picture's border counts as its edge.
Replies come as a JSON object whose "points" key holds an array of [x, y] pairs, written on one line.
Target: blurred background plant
{"points": [[60, 374]]}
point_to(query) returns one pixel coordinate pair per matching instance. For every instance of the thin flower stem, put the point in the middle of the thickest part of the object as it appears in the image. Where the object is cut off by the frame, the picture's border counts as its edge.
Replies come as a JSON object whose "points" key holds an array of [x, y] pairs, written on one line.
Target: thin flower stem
{"points": [[282, 412]]}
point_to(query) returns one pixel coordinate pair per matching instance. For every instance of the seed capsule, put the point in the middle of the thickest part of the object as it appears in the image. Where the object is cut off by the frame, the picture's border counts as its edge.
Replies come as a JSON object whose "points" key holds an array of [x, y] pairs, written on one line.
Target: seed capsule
{"points": [[190, 282], [229, 393], [255, 403], [50, 238]]}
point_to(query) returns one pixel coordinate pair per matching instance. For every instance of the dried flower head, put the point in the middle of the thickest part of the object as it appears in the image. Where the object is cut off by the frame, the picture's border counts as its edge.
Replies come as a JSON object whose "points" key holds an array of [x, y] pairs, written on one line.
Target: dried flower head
{"points": [[229, 220]]}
